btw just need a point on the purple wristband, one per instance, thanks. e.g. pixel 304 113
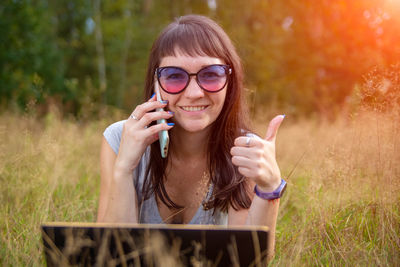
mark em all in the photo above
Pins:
pixel 277 193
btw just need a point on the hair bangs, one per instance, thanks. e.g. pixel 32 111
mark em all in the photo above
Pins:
pixel 191 40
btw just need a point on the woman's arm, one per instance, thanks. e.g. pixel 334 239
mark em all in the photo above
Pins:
pixel 255 159
pixel 118 199
pixel 265 212
pixel 107 160
pixel 261 212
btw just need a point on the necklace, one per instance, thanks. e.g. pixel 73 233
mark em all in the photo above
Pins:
pixel 203 190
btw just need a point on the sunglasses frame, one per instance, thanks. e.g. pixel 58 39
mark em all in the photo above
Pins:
pixel 227 68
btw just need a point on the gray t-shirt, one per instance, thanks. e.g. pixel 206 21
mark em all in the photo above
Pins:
pixel 148 209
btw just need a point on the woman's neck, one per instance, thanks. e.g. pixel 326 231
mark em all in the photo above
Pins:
pixel 189 145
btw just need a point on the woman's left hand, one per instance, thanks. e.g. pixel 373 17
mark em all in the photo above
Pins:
pixel 255 157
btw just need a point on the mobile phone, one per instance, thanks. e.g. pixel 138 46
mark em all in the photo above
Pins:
pixel 163 136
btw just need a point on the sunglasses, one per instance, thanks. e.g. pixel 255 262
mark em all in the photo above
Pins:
pixel 212 78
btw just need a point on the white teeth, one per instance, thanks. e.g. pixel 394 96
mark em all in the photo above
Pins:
pixel 191 108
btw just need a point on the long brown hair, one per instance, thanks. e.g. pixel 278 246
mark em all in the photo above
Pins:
pixel 197 35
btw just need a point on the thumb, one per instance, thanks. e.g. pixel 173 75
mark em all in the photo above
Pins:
pixel 273 128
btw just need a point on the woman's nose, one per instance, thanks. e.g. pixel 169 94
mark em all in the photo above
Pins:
pixel 193 90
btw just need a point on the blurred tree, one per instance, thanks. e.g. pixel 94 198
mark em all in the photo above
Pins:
pixel 30 63
pixel 301 57
pixel 73 22
pixel 309 56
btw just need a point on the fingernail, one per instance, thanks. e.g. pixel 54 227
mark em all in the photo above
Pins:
pixel 164 101
pixel 284 115
pixel 171 112
pixel 171 124
pixel 152 95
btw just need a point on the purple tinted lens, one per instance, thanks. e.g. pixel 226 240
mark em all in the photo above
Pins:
pixel 173 80
pixel 212 78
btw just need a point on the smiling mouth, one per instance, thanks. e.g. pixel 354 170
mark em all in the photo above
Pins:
pixel 193 108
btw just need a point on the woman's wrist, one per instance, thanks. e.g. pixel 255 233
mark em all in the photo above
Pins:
pixel 269 188
pixel 122 169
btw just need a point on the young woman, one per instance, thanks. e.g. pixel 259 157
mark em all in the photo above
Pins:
pixel 216 171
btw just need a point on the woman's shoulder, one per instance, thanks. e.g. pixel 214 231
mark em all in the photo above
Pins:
pixel 113 133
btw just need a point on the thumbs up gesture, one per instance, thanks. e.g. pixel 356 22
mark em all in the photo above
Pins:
pixel 255 157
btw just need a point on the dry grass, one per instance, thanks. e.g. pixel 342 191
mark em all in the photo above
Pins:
pixel 48 172
pixel 343 201
pixel 342 206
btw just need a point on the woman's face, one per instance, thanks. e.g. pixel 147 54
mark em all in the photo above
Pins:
pixel 195 109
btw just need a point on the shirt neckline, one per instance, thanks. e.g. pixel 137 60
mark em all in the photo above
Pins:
pixel 206 198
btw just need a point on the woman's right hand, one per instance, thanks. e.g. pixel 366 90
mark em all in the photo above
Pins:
pixel 137 135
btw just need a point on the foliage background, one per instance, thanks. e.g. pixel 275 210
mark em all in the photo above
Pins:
pixel 307 57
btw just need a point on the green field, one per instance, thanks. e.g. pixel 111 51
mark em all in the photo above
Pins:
pixel 342 205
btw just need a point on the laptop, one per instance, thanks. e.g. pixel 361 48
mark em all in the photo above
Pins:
pixel 101 244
